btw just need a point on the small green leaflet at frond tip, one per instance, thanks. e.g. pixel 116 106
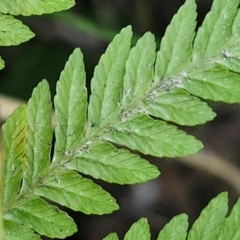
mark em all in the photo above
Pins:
pixel 13 31
pixel 34 7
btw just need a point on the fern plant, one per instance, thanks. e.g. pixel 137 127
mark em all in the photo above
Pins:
pixel 136 93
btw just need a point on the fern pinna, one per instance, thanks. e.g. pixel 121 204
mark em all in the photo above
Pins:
pixel 136 93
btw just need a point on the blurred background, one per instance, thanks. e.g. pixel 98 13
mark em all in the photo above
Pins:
pixel 185 185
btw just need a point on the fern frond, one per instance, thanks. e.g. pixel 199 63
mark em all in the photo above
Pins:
pixel 133 93
pixel 34 7
pixel 212 224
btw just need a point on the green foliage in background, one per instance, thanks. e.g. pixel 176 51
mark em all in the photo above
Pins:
pixel 136 93
pixel 212 224
pixel 13 31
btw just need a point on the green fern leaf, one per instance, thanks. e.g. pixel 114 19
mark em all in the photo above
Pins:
pixel 152 137
pixel 39 134
pixel 43 218
pixel 110 164
pixel 16 231
pixel 215 83
pixel 211 219
pixel 230 229
pixel 176 229
pixel 80 194
pixel 176 45
pixel 139 230
pixel 128 99
pixel 13 31
pixel 111 236
pixel 107 84
pixel 34 7
pixel 70 104
pixel 230 54
pixel 139 70
pixel 14 137
pixel 216 29
pixel 177 106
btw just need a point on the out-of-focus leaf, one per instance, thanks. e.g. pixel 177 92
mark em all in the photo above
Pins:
pixel 34 7
pixel 13 31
